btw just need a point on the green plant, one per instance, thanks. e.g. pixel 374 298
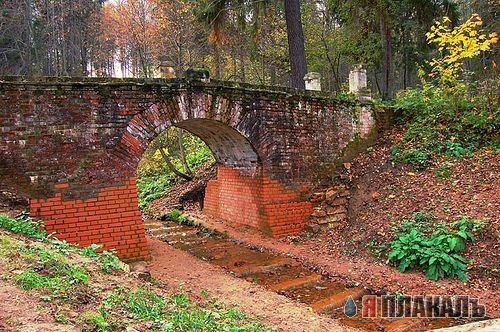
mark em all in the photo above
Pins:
pixel 144 304
pixel 419 220
pixel 443 171
pixel 22 224
pixel 418 157
pixel 449 125
pixel 173 215
pixel 49 270
pixel 106 260
pixel 96 321
pixel 446 117
pixel 176 313
pixel 376 249
pixel 177 216
pixel 434 253
pixel 454 149
pixel 151 187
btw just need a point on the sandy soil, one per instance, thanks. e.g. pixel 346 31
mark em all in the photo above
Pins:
pixel 195 275
pixel 23 313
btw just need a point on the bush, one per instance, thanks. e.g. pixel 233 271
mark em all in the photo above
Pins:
pixel 434 253
pixel 452 125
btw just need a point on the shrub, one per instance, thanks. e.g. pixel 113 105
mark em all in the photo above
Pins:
pixel 434 253
pixel 449 125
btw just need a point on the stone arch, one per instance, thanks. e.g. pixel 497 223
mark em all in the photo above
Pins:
pixel 219 122
pixel 77 143
pixel 229 147
pixel 236 193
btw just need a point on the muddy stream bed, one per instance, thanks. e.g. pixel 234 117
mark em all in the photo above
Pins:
pixel 284 276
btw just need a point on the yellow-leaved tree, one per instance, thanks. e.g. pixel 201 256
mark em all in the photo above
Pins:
pixel 455 45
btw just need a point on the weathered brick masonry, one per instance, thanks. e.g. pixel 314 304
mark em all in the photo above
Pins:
pixel 73 147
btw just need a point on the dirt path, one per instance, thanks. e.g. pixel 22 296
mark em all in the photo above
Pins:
pixel 354 271
pixel 21 312
pixel 195 275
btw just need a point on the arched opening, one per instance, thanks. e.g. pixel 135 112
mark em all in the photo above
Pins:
pixel 229 147
pixel 201 164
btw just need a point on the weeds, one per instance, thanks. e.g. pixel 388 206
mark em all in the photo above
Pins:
pixel 23 224
pixel 47 269
pixel 176 313
pixel 144 304
pixel 436 252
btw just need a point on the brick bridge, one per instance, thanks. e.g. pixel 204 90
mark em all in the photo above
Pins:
pixel 73 145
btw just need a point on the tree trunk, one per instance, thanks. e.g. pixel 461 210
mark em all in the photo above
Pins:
pixel 217 61
pixel 172 167
pixel 29 38
pixel 182 153
pixel 242 65
pixel 385 32
pixel 296 49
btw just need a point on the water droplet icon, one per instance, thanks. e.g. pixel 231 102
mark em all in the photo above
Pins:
pixel 350 308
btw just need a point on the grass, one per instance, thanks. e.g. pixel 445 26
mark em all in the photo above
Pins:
pixel 45 269
pixel 65 278
pixel 24 225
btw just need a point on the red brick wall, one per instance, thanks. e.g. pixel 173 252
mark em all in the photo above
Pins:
pixel 111 219
pixel 285 210
pixel 92 134
pixel 234 197
pixel 256 201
